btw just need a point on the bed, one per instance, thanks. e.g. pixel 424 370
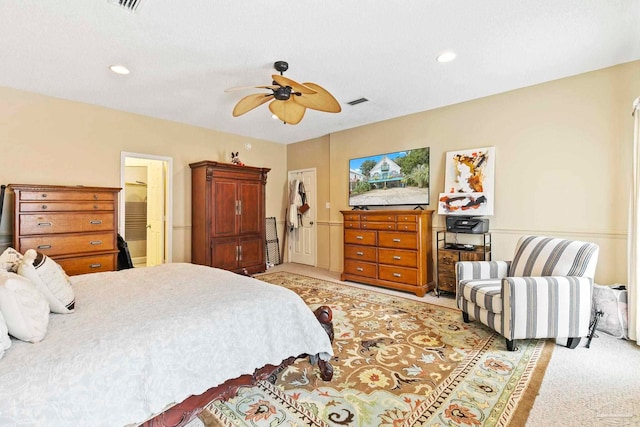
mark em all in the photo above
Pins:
pixel 142 340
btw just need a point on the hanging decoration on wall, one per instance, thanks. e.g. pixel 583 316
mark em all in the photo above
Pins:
pixel 469 183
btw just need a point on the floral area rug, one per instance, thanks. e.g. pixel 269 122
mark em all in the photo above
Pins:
pixel 398 362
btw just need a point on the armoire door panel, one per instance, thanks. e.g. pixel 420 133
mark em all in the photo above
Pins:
pixel 224 253
pixel 224 208
pixel 251 216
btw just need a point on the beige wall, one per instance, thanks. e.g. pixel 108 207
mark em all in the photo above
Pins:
pixel 562 151
pixel 562 167
pixel 45 140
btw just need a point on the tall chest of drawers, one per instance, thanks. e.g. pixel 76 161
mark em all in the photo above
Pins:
pixel 75 226
pixel 390 248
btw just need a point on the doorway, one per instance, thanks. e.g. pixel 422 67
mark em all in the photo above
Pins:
pixel 302 239
pixel 145 208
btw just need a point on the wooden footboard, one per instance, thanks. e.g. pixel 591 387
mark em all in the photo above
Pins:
pixel 181 413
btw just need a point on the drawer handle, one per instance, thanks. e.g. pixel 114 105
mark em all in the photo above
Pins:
pixel 44 195
pixel 389 226
pixel 359 268
pixel 43 207
pixel 44 246
pixel 359 253
pixel 95 197
pixel 44 224
pixel 95 221
pixel 396 257
pixel 95 242
pixel 359 237
pixel 97 265
pixel 397 275
pixel 396 240
pixel 95 206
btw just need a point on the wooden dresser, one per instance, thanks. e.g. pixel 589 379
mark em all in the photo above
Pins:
pixel 228 216
pixel 390 248
pixel 75 226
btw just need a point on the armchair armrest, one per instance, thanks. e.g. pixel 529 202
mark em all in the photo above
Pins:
pixel 479 270
pixel 546 307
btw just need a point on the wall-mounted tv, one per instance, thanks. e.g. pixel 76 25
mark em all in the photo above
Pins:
pixel 398 178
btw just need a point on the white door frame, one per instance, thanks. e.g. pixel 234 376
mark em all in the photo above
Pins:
pixel 168 231
pixel 313 203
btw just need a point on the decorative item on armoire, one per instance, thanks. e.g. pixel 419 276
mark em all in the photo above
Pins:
pixel 235 158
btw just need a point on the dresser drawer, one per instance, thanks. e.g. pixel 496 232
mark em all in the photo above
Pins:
pixel 407 226
pixel 67 195
pixel 446 281
pixel 378 225
pixel 378 217
pixel 399 257
pixel 360 237
pixel 60 245
pixel 351 217
pixel 88 264
pixel 65 207
pixel 352 224
pixel 404 275
pixel 407 218
pixel 448 258
pixel 362 253
pixel 31 224
pixel 399 240
pixel 359 268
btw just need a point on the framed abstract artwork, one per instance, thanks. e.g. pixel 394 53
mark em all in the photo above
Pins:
pixel 469 183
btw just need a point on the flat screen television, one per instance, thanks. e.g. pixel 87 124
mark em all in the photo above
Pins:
pixel 390 179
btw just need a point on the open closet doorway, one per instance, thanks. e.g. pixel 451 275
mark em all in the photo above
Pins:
pixel 303 235
pixel 145 200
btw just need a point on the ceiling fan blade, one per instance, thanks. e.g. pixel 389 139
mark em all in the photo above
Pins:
pixel 235 88
pixel 322 100
pixel 297 87
pixel 288 111
pixel 250 102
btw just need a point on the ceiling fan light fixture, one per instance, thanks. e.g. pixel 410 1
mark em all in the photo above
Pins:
pixel 288 99
pixel 447 56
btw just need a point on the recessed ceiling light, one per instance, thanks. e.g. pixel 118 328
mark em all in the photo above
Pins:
pixel 446 56
pixel 119 69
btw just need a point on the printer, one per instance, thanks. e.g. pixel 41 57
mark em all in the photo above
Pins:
pixel 467 224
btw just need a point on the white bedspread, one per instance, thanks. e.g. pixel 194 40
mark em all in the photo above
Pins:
pixel 145 338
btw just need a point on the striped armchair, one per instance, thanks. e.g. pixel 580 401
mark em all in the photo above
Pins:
pixel 544 292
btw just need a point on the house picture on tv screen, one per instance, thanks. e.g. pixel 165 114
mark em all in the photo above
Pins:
pixel 398 178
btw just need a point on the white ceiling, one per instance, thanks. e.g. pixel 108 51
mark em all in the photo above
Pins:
pixel 184 54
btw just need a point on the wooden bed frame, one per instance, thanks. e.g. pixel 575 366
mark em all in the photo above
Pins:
pixel 182 413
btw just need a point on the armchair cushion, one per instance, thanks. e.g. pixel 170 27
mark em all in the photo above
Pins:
pixel 548 256
pixel 483 293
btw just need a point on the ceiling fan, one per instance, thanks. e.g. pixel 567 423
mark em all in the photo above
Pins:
pixel 289 99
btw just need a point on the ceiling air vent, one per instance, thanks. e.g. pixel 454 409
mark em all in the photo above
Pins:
pixel 131 5
pixel 357 101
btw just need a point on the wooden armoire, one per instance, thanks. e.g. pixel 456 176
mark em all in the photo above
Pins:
pixel 228 216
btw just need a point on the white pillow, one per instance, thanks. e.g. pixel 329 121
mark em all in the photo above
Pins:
pixel 25 309
pixel 10 259
pixel 50 279
pixel 5 340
